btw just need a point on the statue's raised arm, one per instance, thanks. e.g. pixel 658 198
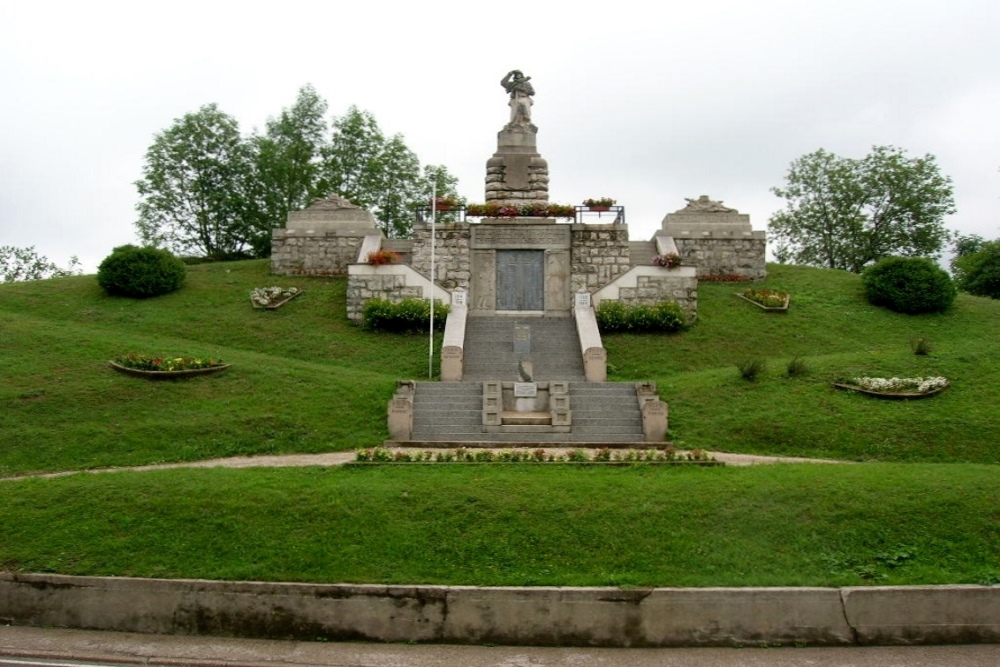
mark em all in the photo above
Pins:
pixel 521 92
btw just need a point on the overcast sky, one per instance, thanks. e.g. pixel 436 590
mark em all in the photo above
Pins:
pixel 647 102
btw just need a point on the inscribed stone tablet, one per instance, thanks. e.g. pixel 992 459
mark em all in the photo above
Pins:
pixel 525 390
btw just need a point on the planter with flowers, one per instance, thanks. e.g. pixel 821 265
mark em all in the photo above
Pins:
pixel 445 203
pixel 600 204
pixel 140 365
pixel 270 298
pixel 768 300
pixel 895 388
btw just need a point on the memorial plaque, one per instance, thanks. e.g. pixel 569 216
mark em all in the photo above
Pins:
pixel 583 299
pixel 458 298
pixel 522 338
pixel 525 390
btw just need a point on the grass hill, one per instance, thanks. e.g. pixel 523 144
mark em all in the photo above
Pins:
pixel 305 380
pixel 922 509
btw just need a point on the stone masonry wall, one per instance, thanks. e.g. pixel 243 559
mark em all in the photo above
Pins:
pixel 362 288
pixel 666 287
pixel 451 253
pixel 598 255
pixel 295 253
pixel 714 256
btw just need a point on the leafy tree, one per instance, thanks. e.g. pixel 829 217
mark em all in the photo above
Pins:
pixel 193 189
pixel 976 266
pixel 206 190
pixel 21 264
pixel 844 213
pixel 287 165
pixel 379 173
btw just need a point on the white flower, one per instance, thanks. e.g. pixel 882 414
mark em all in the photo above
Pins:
pixel 917 385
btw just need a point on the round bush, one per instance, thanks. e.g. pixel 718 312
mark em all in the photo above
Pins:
pixel 140 272
pixel 909 285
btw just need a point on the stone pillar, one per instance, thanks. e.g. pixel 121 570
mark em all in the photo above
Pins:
pixel 517 173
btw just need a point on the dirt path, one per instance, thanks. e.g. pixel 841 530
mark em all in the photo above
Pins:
pixel 340 458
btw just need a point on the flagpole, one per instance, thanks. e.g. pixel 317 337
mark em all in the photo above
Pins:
pixel 430 352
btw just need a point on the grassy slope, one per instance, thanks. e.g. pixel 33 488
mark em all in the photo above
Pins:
pixel 303 380
pixel 838 333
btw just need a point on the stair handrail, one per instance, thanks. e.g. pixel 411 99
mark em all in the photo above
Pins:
pixel 453 345
pixel 595 357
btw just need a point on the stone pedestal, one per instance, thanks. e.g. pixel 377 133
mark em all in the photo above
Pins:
pixel 517 173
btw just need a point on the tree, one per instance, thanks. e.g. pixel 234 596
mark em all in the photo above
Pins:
pixel 288 165
pixel 206 190
pixel 844 213
pixel 976 266
pixel 21 264
pixel 378 173
pixel 193 190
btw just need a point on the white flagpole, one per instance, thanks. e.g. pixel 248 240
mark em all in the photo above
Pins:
pixel 430 352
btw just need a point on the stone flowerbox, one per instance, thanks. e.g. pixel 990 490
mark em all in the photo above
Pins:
pixel 163 375
pixel 770 301
pixel 270 298
pixel 895 394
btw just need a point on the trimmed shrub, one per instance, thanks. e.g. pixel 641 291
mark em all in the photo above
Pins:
pixel 406 316
pixel 140 273
pixel 910 285
pixel 661 317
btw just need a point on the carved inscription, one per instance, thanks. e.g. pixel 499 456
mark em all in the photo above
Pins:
pixel 514 236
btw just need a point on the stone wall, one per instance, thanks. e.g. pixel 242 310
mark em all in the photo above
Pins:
pixel 361 288
pixel 312 253
pixel 598 255
pixel 451 253
pixel 742 254
pixel 664 287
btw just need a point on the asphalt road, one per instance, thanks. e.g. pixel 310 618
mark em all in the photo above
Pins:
pixel 35 647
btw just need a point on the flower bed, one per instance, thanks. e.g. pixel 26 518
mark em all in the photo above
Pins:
pixel 626 456
pixel 498 210
pixel 895 388
pixel 272 297
pixel 159 367
pixel 766 299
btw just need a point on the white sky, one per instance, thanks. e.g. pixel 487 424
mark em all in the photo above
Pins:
pixel 646 102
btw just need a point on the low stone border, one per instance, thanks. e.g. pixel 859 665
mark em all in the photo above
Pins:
pixel 542 616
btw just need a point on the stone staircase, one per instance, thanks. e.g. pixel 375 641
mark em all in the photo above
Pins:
pixel 450 414
pixel 641 253
pixel 490 350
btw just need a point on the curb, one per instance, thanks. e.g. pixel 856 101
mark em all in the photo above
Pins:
pixel 542 616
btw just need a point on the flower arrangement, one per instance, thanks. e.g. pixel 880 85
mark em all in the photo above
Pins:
pixel 669 261
pixel 141 362
pixel 447 201
pixel 768 298
pixel 600 202
pixel 666 455
pixel 510 210
pixel 380 257
pixel 264 297
pixel 917 385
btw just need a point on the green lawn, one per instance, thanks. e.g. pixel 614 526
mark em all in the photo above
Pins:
pixel 807 525
pixel 921 509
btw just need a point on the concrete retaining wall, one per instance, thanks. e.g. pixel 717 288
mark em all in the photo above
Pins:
pixel 518 616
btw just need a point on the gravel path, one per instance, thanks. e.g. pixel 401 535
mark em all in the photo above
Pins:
pixel 340 458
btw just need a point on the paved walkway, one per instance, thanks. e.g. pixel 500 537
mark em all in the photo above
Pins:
pixel 21 644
